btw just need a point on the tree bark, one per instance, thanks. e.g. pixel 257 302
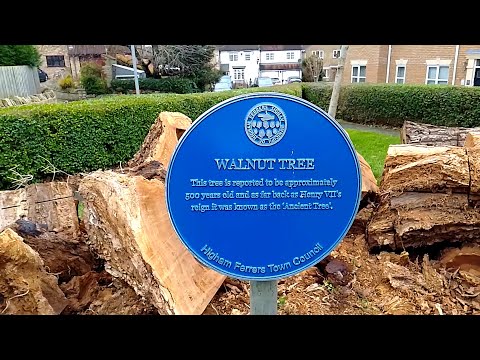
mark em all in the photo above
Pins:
pixel 427 134
pixel 425 169
pixel 424 198
pixel 415 219
pixel 332 108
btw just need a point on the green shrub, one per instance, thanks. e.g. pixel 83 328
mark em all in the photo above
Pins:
pixel 82 136
pixel 92 79
pixel 175 85
pixel 392 104
pixel 318 94
pixel 66 82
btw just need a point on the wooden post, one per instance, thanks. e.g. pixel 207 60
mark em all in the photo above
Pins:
pixel 263 297
pixel 135 72
pixel 332 108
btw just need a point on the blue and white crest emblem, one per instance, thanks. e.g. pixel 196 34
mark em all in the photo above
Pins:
pixel 265 124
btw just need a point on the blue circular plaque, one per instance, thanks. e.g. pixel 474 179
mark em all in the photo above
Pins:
pixel 263 186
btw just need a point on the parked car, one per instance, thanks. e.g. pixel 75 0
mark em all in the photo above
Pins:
pixel 276 81
pixel 222 86
pixel 226 79
pixel 42 75
pixel 292 79
pixel 263 81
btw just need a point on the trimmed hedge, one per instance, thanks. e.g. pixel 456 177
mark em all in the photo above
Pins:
pixel 87 135
pixel 392 104
pixel 165 85
pixel 82 136
pixel 318 94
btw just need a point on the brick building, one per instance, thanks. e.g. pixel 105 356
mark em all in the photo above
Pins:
pixel 409 64
pixel 55 59
pixel 329 54
pixel 58 60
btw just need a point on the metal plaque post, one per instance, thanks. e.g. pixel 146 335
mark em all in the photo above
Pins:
pixel 254 162
pixel 263 297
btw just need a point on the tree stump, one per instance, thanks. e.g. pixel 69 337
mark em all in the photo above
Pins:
pixel 129 226
pixel 424 198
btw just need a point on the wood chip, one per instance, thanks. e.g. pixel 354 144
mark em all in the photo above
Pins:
pixel 233 288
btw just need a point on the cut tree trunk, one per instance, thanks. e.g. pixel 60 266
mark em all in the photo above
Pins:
pixel 49 204
pixel 425 193
pixel 162 139
pixel 425 169
pixel 427 134
pixel 380 229
pixel 25 287
pixel 45 215
pixel 369 183
pixel 129 226
pixel 425 219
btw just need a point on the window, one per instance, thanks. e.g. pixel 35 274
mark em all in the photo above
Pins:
pixel 238 74
pixel 400 75
pixel 358 73
pixel 269 56
pixel 290 55
pixel 318 53
pixel 336 54
pixel 233 56
pixel 325 73
pixel 437 74
pixel 247 56
pixel 55 61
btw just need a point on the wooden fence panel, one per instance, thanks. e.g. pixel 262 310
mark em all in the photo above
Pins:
pixel 18 81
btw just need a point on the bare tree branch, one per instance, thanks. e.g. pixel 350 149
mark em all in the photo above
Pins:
pixel 181 59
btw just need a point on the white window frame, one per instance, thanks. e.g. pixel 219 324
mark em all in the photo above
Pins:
pixel 239 74
pixel 233 56
pixel 404 74
pixel 445 82
pixel 476 65
pixel 337 51
pixel 319 53
pixel 248 56
pixel 269 56
pixel 358 77
pixel 326 72
pixel 290 55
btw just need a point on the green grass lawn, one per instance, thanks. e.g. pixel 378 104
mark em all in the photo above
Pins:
pixel 373 147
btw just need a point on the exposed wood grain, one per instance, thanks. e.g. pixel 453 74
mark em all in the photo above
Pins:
pixel 129 226
pixel 51 204
pixel 425 169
